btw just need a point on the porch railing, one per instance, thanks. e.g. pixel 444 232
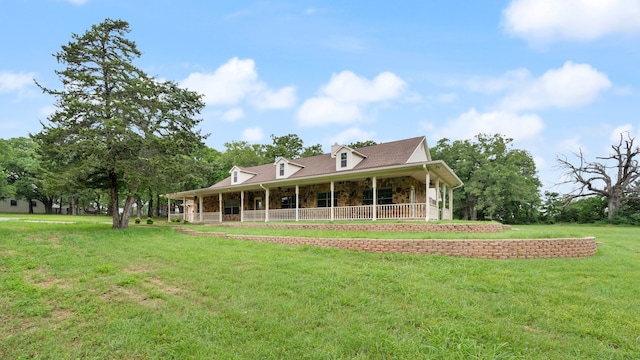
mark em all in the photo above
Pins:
pixel 360 212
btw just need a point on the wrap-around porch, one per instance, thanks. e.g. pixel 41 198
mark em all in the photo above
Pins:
pixel 397 197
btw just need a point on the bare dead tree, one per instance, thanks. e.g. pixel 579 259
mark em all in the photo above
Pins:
pixel 613 177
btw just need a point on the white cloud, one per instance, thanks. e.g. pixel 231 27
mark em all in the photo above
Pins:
pixel 347 95
pixel 570 86
pixel 621 130
pixel 466 126
pixel 235 81
pixel 324 111
pixel 10 82
pixel 352 135
pixel 351 88
pixel 543 21
pixel 232 115
pixel 275 99
pixel 570 145
pixel 252 134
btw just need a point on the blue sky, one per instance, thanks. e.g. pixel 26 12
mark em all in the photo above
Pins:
pixel 556 76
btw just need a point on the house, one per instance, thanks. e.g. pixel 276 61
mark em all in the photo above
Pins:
pixel 21 206
pixel 394 180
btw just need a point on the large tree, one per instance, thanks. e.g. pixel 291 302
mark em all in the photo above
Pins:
pixel 115 127
pixel 500 183
pixel 613 177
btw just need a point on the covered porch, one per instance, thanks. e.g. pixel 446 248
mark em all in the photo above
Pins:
pixel 424 193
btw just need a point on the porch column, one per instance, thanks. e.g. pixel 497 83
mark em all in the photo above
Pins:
pixel 450 203
pixel 184 208
pixel 438 198
pixel 427 202
pixel 266 203
pixel 168 209
pixel 297 201
pixel 220 209
pixel 200 207
pixel 332 212
pixel 242 206
pixel 374 194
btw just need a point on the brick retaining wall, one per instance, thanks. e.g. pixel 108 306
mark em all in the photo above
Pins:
pixel 485 249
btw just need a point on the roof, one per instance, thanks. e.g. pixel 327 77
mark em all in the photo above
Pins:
pixel 398 154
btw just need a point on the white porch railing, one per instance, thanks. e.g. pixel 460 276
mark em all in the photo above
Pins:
pixel 360 212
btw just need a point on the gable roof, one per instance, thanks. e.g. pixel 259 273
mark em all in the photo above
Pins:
pixel 375 156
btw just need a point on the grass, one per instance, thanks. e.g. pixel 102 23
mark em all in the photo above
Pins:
pixel 83 290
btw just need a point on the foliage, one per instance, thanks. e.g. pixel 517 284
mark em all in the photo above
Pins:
pixel 149 221
pixel 613 177
pixel 116 128
pixel 82 291
pixel 359 144
pixel 6 190
pixel 500 183
pixel 585 210
pixel 137 220
pixel 27 173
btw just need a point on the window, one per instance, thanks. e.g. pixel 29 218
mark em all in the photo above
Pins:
pixel 324 199
pixel 281 169
pixel 385 196
pixel 14 202
pixel 288 202
pixel 343 160
pixel 231 207
pixel 235 177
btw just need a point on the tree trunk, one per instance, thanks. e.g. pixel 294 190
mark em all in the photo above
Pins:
pixel 115 201
pixel 74 205
pixel 30 206
pixel 138 207
pixel 150 208
pixel 613 202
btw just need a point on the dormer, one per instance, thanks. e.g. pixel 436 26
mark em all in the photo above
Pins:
pixel 286 168
pixel 240 175
pixel 346 157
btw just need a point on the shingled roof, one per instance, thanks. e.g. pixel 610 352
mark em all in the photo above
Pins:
pixel 376 156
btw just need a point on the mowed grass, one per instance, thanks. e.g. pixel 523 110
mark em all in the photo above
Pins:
pixel 83 290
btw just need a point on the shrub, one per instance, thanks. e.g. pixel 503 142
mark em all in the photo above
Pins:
pixel 137 220
pixel 149 221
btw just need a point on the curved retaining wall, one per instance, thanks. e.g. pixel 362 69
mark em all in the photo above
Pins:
pixel 485 249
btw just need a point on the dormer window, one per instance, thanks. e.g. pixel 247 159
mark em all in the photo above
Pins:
pixel 281 169
pixel 343 160
pixel 235 177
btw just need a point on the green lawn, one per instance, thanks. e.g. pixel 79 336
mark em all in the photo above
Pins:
pixel 83 290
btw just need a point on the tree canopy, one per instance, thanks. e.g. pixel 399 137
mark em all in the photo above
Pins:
pixel 500 183
pixel 115 127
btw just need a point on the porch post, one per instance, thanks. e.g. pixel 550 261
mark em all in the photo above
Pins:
pixel 220 209
pixel 168 209
pixel 242 206
pixel 427 202
pixel 297 201
pixel 266 203
pixel 200 207
pixel 450 203
pixel 374 194
pixel 438 198
pixel 184 208
pixel 332 210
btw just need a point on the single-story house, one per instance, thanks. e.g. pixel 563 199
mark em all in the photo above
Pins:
pixel 394 180
pixel 21 206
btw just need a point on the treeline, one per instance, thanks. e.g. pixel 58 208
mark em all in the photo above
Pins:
pixel 500 182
